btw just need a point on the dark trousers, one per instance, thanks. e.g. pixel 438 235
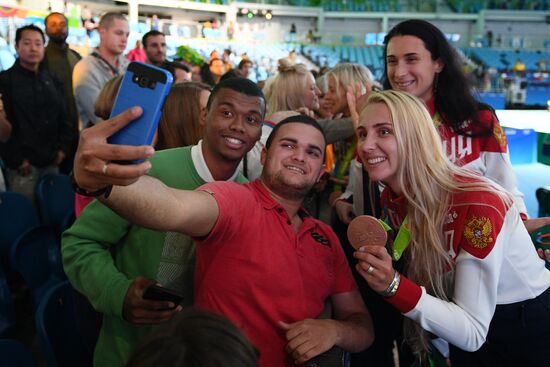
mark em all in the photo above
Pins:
pixel 88 322
pixel 519 335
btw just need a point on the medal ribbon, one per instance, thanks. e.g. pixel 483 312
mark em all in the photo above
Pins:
pixel 401 240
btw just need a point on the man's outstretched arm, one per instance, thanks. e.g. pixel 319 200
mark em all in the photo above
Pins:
pixel 150 203
pixel 141 200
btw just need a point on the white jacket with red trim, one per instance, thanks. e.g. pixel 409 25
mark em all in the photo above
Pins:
pixel 495 263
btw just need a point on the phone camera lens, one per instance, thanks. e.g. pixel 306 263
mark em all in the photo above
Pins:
pixel 144 82
pixel 152 84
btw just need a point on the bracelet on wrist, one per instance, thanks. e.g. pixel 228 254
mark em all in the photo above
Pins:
pixel 392 288
pixel 106 191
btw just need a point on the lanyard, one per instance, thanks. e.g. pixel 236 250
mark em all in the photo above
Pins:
pixel 401 240
pixel 437 120
pixel 114 70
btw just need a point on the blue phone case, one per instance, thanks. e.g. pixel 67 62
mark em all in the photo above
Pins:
pixel 146 86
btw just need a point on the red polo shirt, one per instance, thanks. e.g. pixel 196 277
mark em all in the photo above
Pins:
pixel 254 269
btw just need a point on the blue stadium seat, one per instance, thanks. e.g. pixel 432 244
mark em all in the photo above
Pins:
pixel 543 197
pixel 17 211
pixel 36 256
pixel 14 353
pixel 55 197
pixel 57 329
pixel 7 310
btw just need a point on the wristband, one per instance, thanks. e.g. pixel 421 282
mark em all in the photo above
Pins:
pixel 106 191
pixel 392 288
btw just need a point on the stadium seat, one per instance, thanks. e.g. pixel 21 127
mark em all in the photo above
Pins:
pixel 17 215
pixel 7 310
pixel 55 197
pixel 57 329
pixel 541 239
pixel 14 353
pixel 36 256
pixel 543 197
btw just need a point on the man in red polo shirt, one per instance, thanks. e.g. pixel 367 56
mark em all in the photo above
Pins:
pixel 262 261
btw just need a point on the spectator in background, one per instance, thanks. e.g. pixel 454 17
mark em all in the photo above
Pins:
pixel 292 57
pixel 106 61
pixel 213 73
pixel 217 68
pixel 154 45
pixel 205 67
pixel 292 32
pixel 489 36
pixel 325 106
pixel 214 55
pixel 88 21
pixel 310 38
pixel 155 23
pixel 183 116
pixel 180 72
pixel 196 339
pixel 498 41
pixel 5 126
pixel 519 67
pixel 5 133
pixel 293 87
pixel 542 65
pixel 341 77
pixel 230 30
pixel 61 60
pixel 137 53
pixel 226 58
pixel 35 108
pixel 243 70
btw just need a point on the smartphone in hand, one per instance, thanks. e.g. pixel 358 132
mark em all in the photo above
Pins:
pixel 146 86
pixel 156 292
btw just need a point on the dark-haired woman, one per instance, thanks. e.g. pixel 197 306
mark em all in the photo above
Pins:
pixel 419 60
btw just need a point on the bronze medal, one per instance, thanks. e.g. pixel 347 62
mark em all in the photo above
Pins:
pixel 366 230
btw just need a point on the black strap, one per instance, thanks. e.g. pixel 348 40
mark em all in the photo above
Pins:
pixel 245 165
pixel 371 196
pixel 98 56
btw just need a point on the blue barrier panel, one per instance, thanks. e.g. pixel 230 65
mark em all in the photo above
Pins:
pixel 495 100
pixel 522 144
pixel 537 95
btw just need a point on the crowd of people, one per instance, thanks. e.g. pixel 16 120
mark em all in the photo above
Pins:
pixel 226 207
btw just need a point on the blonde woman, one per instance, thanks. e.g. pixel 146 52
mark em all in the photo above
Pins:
pixel 339 79
pixel 472 276
pixel 325 108
pixel 292 88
